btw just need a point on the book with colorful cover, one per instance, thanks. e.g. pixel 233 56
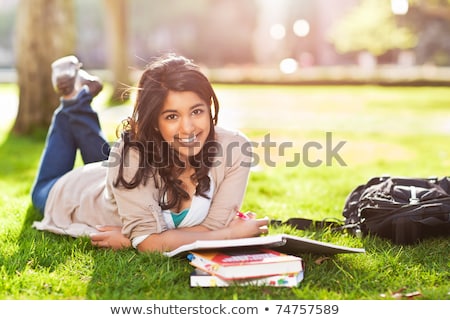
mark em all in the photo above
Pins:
pixel 200 278
pixel 238 263
pixel 285 243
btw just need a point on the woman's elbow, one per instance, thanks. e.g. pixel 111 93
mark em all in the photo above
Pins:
pixel 153 243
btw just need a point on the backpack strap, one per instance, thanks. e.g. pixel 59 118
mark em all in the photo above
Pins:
pixel 304 224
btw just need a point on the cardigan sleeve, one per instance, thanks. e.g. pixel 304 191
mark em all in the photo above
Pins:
pixel 230 172
pixel 138 208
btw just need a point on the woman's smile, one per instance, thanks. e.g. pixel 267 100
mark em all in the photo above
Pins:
pixel 189 140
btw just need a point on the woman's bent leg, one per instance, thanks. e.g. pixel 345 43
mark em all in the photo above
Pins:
pixel 57 158
pixel 74 125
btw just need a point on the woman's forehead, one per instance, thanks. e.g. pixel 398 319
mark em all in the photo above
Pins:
pixel 177 100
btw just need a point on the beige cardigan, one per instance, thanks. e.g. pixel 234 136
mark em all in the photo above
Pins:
pixel 85 197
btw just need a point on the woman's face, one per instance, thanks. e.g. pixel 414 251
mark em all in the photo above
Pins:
pixel 184 122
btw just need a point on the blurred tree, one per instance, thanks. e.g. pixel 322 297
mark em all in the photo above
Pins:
pixel 45 31
pixel 430 20
pixel 434 8
pixel 371 26
pixel 117 32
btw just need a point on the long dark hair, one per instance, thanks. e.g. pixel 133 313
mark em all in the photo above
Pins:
pixel 157 159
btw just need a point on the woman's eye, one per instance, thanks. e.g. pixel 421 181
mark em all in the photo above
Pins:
pixel 197 111
pixel 171 116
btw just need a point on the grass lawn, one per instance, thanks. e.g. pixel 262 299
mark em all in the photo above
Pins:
pixel 373 130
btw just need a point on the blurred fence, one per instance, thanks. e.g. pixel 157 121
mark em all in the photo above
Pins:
pixel 383 75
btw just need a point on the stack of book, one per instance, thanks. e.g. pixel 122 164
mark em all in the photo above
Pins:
pixel 245 266
pixel 272 260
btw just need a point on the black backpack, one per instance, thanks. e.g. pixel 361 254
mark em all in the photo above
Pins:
pixel 403 210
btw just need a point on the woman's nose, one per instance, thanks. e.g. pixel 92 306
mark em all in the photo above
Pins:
pixel 187 126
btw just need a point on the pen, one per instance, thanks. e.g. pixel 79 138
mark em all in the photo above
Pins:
pixel 242 215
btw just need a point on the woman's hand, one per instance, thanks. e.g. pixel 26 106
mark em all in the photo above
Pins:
pixel 248 226
pixel 110 237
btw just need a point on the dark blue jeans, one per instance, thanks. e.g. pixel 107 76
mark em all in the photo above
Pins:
pixel 74 126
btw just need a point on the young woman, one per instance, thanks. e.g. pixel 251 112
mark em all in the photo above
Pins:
pixel 172 178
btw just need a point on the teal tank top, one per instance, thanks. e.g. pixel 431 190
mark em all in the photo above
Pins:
pixel 178 217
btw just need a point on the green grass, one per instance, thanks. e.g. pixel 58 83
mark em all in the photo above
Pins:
pixel 387 130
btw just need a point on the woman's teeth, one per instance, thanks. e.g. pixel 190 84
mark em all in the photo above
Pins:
pixel 188 140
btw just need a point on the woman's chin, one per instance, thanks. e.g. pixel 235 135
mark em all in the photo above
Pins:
pixel 185 152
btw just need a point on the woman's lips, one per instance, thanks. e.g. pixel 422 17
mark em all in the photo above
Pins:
pixel 191 141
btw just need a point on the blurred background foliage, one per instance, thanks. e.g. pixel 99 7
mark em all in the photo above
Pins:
pixel 250 41
pixel 221 32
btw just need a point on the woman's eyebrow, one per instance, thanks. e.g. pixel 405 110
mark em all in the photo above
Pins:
pixel 200 104
pixel 169 111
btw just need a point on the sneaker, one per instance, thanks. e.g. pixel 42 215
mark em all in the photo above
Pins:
pixel 64 75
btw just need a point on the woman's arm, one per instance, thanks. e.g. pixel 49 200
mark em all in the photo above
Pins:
pixel 112 237
pixel 172 239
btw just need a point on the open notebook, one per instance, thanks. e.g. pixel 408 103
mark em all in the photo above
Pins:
pixel 281 242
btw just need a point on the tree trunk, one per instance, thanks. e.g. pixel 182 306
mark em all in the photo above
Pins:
pixel 117 32
pixel 45 32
